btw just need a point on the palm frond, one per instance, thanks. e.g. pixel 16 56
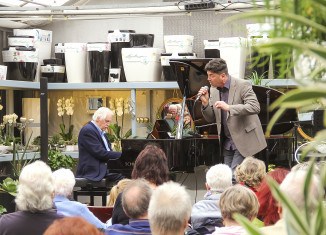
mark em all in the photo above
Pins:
pixel 247 224
pixel 294 215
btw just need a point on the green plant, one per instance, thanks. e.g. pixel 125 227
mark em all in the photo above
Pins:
pixel 257 79
pixel 73 141
pixel 37 141
pixel 9 185
pixel 2 209
pixel 298 30
pixel 57 159
pixel 19 160
pixel 56 140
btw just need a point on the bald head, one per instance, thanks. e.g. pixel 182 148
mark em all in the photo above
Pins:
pixel 135 199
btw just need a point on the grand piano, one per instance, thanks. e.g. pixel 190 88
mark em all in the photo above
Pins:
pixel 203 147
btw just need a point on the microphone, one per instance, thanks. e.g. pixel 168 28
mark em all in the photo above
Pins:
pixel 199 95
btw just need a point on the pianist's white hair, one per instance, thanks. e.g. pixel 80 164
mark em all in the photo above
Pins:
pixel 101 113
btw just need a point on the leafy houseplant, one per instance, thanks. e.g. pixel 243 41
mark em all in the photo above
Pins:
pixel 256 79
pixel 8 190
pixel 66 106
pixel 9 185
pixel 57 160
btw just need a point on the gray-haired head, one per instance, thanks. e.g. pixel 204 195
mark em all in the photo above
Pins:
pixel 169 209
pixel 64 182
pixel 219 177
pixel 35 188
pixel 293 186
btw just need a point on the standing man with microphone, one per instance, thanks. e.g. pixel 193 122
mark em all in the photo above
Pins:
pixel 233 105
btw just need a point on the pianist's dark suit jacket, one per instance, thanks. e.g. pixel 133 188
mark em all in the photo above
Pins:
pixel 93 156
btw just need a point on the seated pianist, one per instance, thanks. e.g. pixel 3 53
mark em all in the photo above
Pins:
pixel 95 149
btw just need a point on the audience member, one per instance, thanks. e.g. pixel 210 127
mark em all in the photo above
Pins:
pixel 268 212
pixel 293 187
pixel 250 173
pixel 34 202
pixel 64 181
pixel 305 166
pixel 206 214
pixel 72 226
pixel 236 199
pixel 151 164
pixel 169 209
pixel 135 201
pixel 116 190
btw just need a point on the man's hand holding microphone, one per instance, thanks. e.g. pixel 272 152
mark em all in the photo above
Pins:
pixel 203 95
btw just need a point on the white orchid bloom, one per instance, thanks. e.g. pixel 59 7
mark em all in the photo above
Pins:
pixel 119 111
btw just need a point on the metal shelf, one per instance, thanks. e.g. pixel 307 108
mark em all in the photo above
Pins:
pixel 19 85
pixel 280 83
pixel 24 85
pixel 113 86
pixel 28 156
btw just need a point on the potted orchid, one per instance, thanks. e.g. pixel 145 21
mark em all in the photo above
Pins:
pixel 66 106
pixel 120 107
pixel 9 122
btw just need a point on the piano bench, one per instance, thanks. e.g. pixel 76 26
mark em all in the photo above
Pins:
pixel 85 187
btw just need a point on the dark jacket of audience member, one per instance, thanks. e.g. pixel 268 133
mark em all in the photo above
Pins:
pixel 206 213
pixel 151 164
pixel 34 202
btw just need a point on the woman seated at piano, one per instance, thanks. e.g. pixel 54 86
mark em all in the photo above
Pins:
pixel 187 125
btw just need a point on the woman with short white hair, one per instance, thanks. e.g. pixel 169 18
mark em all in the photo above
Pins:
pixel 64 181
pixel 34 202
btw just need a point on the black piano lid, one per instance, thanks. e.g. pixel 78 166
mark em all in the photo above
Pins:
pixel 191 76
pixel 287 120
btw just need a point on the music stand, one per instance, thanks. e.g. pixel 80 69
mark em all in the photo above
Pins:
pixel 161 130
